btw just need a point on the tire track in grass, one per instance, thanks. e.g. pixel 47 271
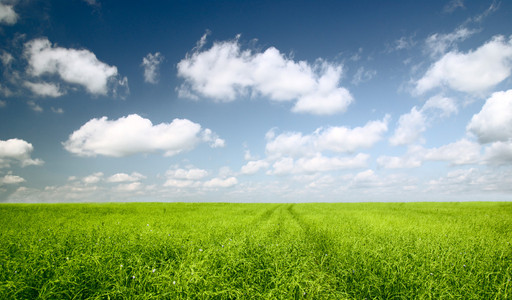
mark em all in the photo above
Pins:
pixel 267 214
pixel 321 252
pixel 320 240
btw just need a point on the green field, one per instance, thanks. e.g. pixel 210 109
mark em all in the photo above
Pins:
pixel 256 251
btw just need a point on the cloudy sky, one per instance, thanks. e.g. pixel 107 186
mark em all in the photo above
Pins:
pixel 255 101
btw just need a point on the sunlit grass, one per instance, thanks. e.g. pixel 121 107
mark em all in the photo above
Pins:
pixel 254 251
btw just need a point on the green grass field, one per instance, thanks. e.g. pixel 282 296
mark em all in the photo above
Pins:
pixel 256 251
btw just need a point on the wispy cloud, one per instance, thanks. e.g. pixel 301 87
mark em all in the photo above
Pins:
pixel 453 5
pixel 34 106
pixel 151 64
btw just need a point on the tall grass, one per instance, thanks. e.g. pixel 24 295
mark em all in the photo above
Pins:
pixel 256 251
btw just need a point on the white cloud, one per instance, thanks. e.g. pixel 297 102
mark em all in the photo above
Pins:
pixel 151 64
pixel 194 178
pixel 317 163
pixel 3 103
pixel 17 150
pixel 129 187
pixel 453 5
pixel 404 43
pixel 363 75
pixel 320 163
pixel 461 152
pixel 123 177
pixel 494 122
pixel 335 138
pixel 180 183
pixel 71 65
pixel 410 160
pixel 343 139
pixel 474 181
pixel 221 183
pixel 11 179
pixel 212 138
pixel 249 156
pixel 79 191
pixel 409 129
pixel 411 125
pixel 93 178
pixel 6 58
pixel 57 110
pixel 472 72
pixel 134 134
pixel 34 106
pixel 188 174
pixel 7 14
pixel 225 72
pixel 499 153
pixel 365 178
pixel 437 44
pixel 44 89
pixel 92 2
pixel 252 167
pixel 446 105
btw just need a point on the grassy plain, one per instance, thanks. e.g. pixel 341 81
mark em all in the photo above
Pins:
pixel 256 251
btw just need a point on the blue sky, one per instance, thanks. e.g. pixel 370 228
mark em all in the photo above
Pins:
pixel 261 101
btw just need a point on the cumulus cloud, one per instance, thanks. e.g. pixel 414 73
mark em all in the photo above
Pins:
pixel 253 166
pixel 11 179
pixel 474 181
pixel 181 183
pixel 461 152
pixel 443 105
pixel 151 64
pixel 473 72
pixel 123 177
pixel 7 14
pixel 93 178
pixel 73 66
pixel 129 187
pixel 336 139
pixel 133 134
pixel 188 174
pixel 499 153
pixel 411 125
pixel 191 177
pixel 44 89
pixel 17 150
pixel 317 163
pixel 225 72
pixel 494 122
pixel 409 129
pixel 221 182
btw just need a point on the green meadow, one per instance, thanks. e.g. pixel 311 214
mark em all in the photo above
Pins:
pixel 256 251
